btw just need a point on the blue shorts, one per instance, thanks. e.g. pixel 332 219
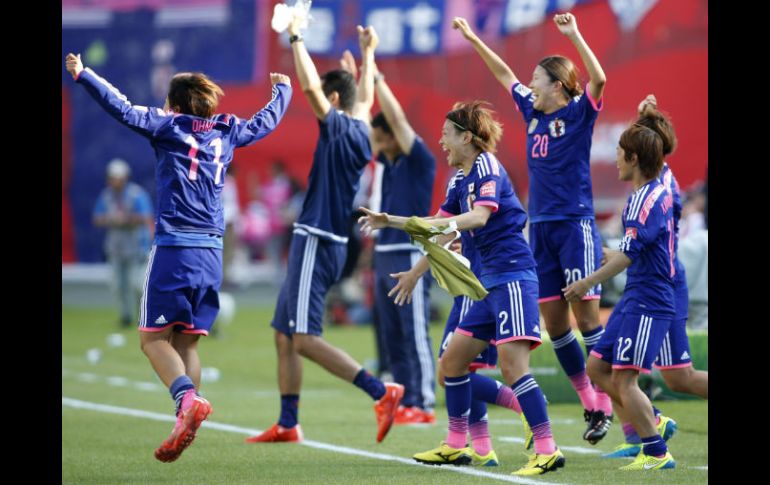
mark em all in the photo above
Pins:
pixel 631 340
pixel 565 251
pixel 509 312
pixel 315 264
pixel 181 288
pixel 675 351
pixel 487 359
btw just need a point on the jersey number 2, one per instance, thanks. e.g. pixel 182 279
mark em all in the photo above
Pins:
pixel 217 144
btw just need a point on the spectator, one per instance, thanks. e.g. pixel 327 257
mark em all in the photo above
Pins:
pixel 125 210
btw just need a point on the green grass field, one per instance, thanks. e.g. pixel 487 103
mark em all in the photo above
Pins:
pixel 110 425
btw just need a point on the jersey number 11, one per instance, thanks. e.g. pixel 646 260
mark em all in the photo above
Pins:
pixel 217 144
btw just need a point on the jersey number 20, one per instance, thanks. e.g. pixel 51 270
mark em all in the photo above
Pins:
pixel 540 146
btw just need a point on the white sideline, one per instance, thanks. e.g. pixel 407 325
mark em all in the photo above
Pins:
pixel 138 413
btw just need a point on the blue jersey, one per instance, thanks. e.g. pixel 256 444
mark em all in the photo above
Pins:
pixel 407 186
pixel 500 243
pixel 669 181
pixel 193 155
pixel 648 221
pixel 558 156
pixel 452 201
pixel 340 156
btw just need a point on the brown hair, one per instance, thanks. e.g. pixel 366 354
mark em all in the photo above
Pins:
pixel 660 124
pixel 559 68
pixel 475 117
pixel 193 93
pixel 648 147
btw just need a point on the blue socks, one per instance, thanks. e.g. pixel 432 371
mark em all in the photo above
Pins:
pixel 592 338
pixel 179 387
pixel 484 388
pixel 369 384
pixel 531 400
pixel 289 410
pixel 654 446
pixel 569 353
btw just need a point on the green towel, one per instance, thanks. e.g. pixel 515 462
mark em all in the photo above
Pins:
pixel 451 270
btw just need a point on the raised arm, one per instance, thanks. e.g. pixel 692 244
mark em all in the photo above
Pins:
pixel 367 40
pixel 141 119
pixel 307 74
pixel 567 25
pixel 496 65
pixel 348 63
pixel 266 120
pixel 394 114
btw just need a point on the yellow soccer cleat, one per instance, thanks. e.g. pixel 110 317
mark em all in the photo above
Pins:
pixel 666 427
pixel 446 455
pixel 645 462
pixel 490 459
pixel 539 464
pixel 529 438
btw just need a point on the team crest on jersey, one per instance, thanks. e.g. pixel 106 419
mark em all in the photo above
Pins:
pixel 631 232
pixel 532 126
pixel 557 128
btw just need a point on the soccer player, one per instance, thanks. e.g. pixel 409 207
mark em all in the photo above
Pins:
pixel 484 390
pixel 674 360
pixel 560 118
pixel 318 247
pixel 640 321
pixel 407 185
pixel 184 273
pixel 487 206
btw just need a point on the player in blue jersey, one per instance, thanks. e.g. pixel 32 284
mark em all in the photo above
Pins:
pixel 318 247
pixel 488 208
pixel 408 170
pixel 194 148
pixel 483 389
pixel 566 243
pixel 640 321
pixel 674 360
